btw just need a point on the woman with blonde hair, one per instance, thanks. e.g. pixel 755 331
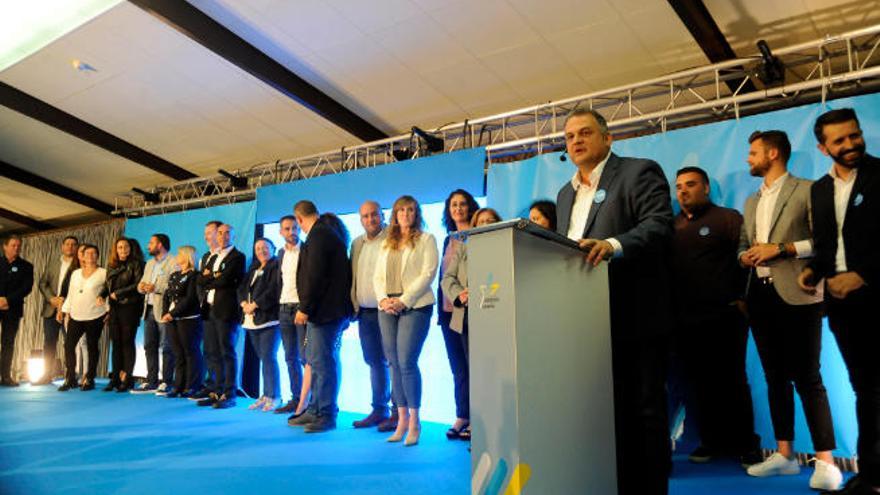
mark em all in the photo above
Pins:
pixel 406 265
pixel 181 312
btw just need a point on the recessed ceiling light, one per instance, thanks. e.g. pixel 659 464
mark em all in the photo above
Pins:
pixel 82 66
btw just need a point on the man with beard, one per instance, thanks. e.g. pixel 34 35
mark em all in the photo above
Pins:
pixel 153 284
pixel 293 336
pixel 711 330
pixel 786 322
pixel 846 229
pixel 50 284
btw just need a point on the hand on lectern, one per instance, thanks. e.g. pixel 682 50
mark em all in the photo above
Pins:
pixel 599 250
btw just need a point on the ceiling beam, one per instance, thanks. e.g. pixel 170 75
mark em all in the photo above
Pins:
pixel 704 29
pixel 209 33
pixel 37 109
pixel 24 220
pixel 30 179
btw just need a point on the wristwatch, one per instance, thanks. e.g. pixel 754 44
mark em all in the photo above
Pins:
pixel 782 252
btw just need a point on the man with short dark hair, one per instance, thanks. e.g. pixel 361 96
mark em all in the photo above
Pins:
pixel 711 330
pixel 207 259
pixel 153 283
pixel 292 335
pixel 50 285
pixel 846 232
pixel 775 242
pixel 16 282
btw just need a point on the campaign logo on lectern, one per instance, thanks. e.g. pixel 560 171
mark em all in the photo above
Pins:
pixel 488 292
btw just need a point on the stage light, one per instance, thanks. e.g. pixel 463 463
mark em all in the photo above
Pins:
pixel 36 367
pixel 433 143
pixel 237 182
pixel 148 196
pixel 771 71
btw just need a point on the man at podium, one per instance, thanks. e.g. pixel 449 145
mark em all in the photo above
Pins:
pixel 619 210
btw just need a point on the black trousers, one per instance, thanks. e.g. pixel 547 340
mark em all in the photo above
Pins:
pixel 220 339
pixel 51 330
pixel 186 342
pixel 711 343
pixel 854 323
pixel 640 415
pixel 8 330
pixel 124 321
pixel 789 341
pixel 75 330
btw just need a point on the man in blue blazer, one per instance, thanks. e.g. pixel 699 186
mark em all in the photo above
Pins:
pixel 619 210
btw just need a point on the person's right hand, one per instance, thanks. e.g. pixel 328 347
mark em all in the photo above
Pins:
pixel 463 297
pixel 805 281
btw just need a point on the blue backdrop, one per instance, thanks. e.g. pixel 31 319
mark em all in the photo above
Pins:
pixel 721 149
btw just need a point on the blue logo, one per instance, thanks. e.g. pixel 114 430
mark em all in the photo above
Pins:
pixel 859 199
pixel 599 197
pixel 704 231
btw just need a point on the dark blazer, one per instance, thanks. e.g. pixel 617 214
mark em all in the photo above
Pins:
pixel 637 211
pixel 323 276
pixel 48 284
pixel 123 280
pixel 16 282
pixel 224 281
pixel 861 226
pixel 182 291
pixel 200 291
pixel 265 291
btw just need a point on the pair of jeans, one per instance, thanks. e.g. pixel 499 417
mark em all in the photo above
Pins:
pixel 456 351
pixel 75 330
pixel 324 340
pixel 156 337
pixel 9 324
pixel 221 337
pixel 293 337
pixel 51 330
pixel 265 342
pixel 124 319
pixel 403 336
pixel 789 342
pixel 374 356
pixel 186 341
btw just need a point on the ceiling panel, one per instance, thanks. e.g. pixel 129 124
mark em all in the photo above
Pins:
pixel 31 202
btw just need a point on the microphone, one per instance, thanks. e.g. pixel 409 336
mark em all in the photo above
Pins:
pixel 562 157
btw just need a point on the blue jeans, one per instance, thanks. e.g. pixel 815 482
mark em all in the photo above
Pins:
pixel 265 342
pixel 293 338
pixel 156 337
pixel 323 355
pixel 374 356
pixel 403 336
pixel 456 351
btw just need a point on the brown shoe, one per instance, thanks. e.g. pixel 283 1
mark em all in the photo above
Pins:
pixel 374 419
pixel 389 424
pixel 287 408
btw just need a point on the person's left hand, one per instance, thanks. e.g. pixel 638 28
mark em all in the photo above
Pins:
pixel 760 254
pixel 842 284
pixel 463 297
pixel 600 250
pixel 4 303
pixel 99 301
pixel 397 305
pixel 300 318
pixel 113 296
pixel 167 318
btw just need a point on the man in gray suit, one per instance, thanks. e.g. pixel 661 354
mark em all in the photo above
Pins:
pixel 786 322
pixel 51 284
pixel 153 284
pixel 620 209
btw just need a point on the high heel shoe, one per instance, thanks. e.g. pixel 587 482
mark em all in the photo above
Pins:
pixel 397 436
pixel 258 404
pixel 412 437
pixel 269 405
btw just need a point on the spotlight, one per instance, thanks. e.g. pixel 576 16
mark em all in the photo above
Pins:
pixel 433 143
pixel 149 197
pixel 771 71
pixel 236 181
pixel 36 367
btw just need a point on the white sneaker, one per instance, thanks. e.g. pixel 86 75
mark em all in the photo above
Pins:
pixel 775 465
pixel 826 476
pixel 163 389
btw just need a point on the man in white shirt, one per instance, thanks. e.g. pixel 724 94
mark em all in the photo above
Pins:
pixel 292 335
pixel 775 241
pixel 364 251
pixel 153 283
pixel 51 284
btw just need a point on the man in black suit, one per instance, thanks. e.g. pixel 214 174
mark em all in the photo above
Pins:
pixel 207 260
pixel 16 282
pixel 846 232
pixel 323 280
pixel 619 209
pixel 220 281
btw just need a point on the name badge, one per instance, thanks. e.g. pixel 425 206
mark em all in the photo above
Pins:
pixel 858 199
pixel 704 231
pixel 599 197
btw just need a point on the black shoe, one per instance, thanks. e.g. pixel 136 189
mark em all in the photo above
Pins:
pixel 375 417
pixel 302 419
pixel 89 385
pixel 455 433
pixel 287 408
pixel 186 394
pixel 751 458
pixel 110 387
pixel 224 402
pixel 702 455
pixel 124 387
pixel 321 424
pixel 199 395
pixel 389 424
pixel 66 386
pixel 208 401
pixel 174 394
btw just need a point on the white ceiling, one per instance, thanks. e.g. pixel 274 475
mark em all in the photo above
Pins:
pixel 396 63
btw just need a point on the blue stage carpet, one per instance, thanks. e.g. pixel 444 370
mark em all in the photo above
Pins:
pixel 99 443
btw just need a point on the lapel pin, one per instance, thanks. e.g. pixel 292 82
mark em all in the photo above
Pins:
pixel 599 197
pixel 858 199
pixel 704 231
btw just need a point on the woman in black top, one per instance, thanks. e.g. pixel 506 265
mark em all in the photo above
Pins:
pixel 124 271
pixel 181 312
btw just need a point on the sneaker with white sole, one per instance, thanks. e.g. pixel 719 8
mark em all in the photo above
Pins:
pixel 144 388
pixel 162 389
pixel 775 465
pixel 826 476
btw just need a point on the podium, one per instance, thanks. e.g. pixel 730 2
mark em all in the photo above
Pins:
pixel 542 402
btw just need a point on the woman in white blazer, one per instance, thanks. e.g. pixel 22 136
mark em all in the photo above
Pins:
pixel 405 268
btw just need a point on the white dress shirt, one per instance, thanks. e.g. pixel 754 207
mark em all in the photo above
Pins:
pixel 764 220
pixel 289 295
pixel 842 191
pixel 82 295
pixel 220 256
pixel 584 196
pixel 365 292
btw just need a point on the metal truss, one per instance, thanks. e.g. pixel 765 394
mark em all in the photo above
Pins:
pixel 814 71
